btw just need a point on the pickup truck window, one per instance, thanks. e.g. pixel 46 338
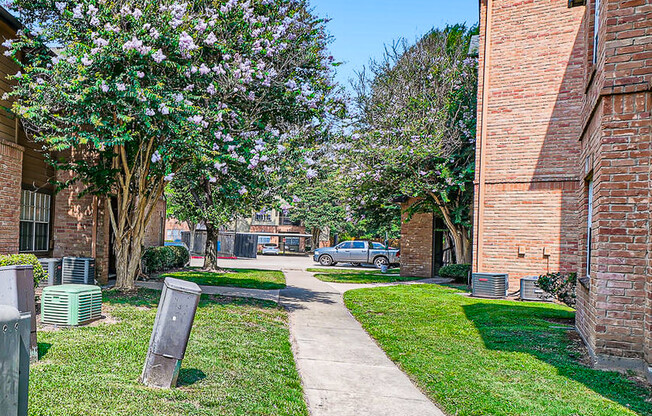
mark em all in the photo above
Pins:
pixel 346 244
pixel 358 244
pixel 378 246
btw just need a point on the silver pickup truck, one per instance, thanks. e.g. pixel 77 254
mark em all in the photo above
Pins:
pixel 356 253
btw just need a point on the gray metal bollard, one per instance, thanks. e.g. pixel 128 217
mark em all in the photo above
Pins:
pixel 17 290
pixel 167 346
pixel 14 361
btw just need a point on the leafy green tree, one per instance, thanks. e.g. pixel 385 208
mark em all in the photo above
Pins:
pixel 135 91
pixel 416 130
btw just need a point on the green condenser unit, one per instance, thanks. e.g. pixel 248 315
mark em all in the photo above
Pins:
pixel 71 305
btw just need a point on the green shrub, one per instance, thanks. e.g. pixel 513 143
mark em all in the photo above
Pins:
pixel 156 259
pixel 25 259
pixel 459 272
pixel 182 256
pixel 560 285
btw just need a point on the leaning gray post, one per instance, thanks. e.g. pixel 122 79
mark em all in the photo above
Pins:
pixel 14 361
pixel 17 290
pixel 167 346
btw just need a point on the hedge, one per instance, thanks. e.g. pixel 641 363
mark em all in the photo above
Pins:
pixel 156 259
pixel 25 259
pixel 459 272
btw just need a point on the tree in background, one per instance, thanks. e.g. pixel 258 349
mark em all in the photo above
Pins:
pixel 138 90
pixel 416 116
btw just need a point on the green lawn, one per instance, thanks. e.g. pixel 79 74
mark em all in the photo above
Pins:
pixel 486 357
pixel 246 278
pixel 359 276
pixel 238 362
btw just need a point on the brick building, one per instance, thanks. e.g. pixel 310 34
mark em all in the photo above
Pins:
pixel 563 160
pixel 33 219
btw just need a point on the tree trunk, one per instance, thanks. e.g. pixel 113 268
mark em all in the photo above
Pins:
pixel 316 234
pixel 210 257
pixel 193 230
pixel 128 254
pixel 462 245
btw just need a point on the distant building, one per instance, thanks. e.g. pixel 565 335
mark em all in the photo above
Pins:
pixel 564 160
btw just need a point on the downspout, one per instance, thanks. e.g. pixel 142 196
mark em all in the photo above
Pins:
pixel 486 63
pixel 94 229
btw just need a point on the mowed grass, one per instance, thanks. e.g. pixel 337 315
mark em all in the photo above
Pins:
pixel 487 357
pixel 245 278
pixel 359 276
pixel 238 362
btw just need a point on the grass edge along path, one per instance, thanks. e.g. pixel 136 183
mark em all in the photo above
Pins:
pixel 242 278
pixel 239 362
pixel 359 276
pixel 486 357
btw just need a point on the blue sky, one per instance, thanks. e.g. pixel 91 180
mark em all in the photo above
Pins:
pixel 362 27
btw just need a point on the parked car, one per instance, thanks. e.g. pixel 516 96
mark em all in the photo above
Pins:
pixel 270 249
pixel 356 253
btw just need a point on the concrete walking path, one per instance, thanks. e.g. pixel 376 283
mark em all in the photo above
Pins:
pixel 343 371
pixel 238 292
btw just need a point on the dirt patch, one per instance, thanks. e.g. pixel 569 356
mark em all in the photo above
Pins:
pixel 561 321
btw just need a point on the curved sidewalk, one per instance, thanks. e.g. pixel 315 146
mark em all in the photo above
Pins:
pixel 343 371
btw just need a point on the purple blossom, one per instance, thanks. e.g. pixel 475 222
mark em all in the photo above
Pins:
pixel 104 87
pixel 186 42
pixel 211 89
pixel 150 112
pixel 168 177
pixel 156 157
pixel 158 56
pixel 210 39
pixel 164 109
pixel 203 69
pixel 120 86
pixel 77 12
pixel 140 74
pixel 60 5
pixel 242 190
pixel 311 173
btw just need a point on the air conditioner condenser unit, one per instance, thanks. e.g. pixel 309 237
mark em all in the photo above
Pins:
pixel 489 285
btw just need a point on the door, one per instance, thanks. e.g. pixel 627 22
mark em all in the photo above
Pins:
pixel 343 251
pixel 359 252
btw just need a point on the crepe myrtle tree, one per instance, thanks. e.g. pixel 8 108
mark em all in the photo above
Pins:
pixel 132 91
pixel 416 116
pixel 197 195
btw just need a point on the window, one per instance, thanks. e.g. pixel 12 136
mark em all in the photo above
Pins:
pixel 34 221
pixel 263 239
pixel 346 244
pixel 596 29
pixel 358 244
pixel 378 246
pixel 589 223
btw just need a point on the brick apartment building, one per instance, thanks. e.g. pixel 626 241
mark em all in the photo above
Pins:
pixel 33 219
pixel 563 164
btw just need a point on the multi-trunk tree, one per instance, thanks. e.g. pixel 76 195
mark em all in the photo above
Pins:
pixel 132 92
pixel 416 130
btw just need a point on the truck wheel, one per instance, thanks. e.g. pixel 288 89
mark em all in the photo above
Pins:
pixel 326 260
pixel 381 261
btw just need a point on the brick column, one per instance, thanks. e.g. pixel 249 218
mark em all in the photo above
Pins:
pixel 11 169
pixel 416 243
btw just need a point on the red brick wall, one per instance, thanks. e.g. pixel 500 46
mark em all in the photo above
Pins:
pixel 416 243
pixel 11 166
pixel 530 151
pixel 73 221
pixel 153 230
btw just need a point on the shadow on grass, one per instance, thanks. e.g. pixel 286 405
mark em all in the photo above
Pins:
pixel 189 376
pixel 43 348
pixel 527 329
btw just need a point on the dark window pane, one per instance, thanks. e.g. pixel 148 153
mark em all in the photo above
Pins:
pixel 26 236
pixel 358 244
pixel 41 243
